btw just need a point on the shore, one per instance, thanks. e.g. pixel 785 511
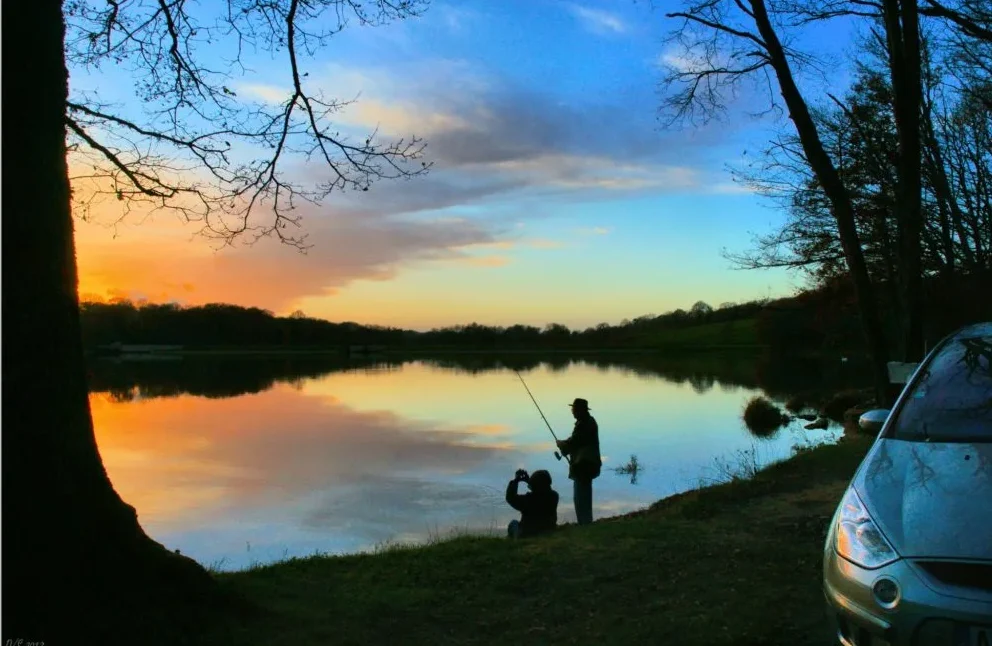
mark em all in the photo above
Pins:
pixel 736 563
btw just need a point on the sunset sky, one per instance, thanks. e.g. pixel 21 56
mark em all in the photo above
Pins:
pixel 556 195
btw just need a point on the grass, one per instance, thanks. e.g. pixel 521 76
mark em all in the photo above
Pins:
pixel 703 567
pixel 742 466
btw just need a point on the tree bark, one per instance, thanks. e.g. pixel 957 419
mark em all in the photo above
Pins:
pixel 839 198
pixel 77 565
pixel 903 39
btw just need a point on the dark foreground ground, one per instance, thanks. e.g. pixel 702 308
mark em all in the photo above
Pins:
pixel 734 564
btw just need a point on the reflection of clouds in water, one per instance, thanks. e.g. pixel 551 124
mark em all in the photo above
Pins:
pixel 401 455
pixel 271 449
pixel 380 508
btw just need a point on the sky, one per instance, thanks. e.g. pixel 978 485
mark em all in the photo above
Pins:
pixel 556 195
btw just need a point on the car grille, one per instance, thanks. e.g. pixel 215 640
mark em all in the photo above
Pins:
pixel 965 575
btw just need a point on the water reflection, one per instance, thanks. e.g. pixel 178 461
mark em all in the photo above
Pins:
pixel 257 459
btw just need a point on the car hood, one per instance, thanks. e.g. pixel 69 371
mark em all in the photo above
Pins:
pixel 930 499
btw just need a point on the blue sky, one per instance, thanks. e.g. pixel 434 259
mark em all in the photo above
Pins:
pixel 556 194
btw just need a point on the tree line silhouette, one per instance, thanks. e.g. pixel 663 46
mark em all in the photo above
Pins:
pixel 224 325
pixel 819 321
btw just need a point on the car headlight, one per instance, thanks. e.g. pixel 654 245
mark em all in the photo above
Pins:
pixel 857 538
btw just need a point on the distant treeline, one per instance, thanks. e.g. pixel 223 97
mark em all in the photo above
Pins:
pixel 822 321
pixel 222 325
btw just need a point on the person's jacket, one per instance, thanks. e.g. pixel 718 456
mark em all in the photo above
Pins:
pixel 538 509
pixel 582 449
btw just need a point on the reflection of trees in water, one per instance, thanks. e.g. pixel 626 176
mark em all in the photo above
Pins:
pixel 701 382
pixel 214 377
pixel 125 394
pixel 229 376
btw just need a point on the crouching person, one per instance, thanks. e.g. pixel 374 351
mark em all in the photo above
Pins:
pixel 538 508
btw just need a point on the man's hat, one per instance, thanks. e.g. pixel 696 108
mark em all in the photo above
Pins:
pixel 580 403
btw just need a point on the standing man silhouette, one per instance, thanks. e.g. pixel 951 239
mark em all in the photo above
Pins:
pixel 585 461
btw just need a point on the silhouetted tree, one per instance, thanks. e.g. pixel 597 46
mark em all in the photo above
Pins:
pixel 725 42
pixel 860 134
pixel 701 309
pixel 77 564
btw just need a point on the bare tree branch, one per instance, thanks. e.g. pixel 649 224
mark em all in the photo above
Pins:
pixel 970 20
pixel 712 24
pixel 192 145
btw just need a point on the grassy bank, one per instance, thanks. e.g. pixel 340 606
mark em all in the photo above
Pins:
pixel 738 563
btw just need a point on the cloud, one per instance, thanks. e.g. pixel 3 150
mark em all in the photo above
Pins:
pixel 689 60
pixel 500 244
pixel 486 261
pixel 541 243
pixel 732 188
pixel 401 118
pixel 595 231
pixel 455 19
pixel 266 93
pixel 598 21
pixel 489 137
pixel 346 248
pixel 495 145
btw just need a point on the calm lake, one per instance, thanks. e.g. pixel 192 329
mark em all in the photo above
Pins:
pixel 236 462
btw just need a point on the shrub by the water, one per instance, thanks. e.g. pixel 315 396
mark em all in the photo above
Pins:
pixel 835 407
pixel 762 417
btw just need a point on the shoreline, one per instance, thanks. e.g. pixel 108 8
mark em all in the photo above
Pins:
pixel 713 558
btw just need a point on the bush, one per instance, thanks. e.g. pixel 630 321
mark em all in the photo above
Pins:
pixel 835 407
pixel 762 417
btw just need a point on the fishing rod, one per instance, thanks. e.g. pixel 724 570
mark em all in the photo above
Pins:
pixel 557 454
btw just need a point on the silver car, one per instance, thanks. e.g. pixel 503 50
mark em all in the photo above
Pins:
pixel 908 555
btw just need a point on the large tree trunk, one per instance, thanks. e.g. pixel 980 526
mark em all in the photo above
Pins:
pixel 838 195
pixel 903 34
pixel 77 567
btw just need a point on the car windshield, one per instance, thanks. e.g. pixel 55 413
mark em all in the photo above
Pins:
pixel 952 402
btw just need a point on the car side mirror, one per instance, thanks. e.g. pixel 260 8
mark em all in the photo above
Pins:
pixel 873 420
